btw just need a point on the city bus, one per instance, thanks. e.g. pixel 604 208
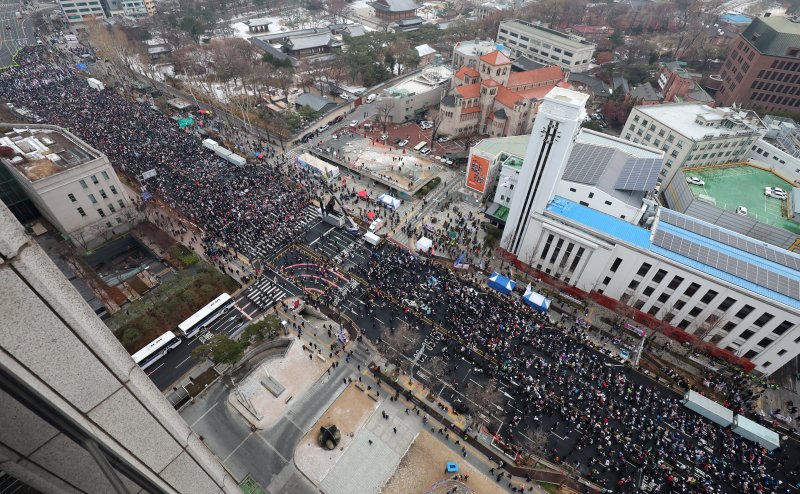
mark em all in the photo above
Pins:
pixel 200 319
pixel 156 349
pixel 421 145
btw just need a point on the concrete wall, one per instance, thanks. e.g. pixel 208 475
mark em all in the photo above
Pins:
pixel 69 387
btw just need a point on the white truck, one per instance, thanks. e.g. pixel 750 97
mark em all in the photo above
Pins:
pixel 372 239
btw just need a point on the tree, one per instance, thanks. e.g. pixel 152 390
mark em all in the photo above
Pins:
pixel 617 112
pixel 592 125
pixel 399 344
pixel 267 328
pixel 221 349
pixel 384 109
pixel 489 399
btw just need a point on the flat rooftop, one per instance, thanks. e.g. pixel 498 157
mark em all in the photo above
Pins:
pixel 42 152
pixel 743 185
pixel 563 39
pixel 682 118
pixel 430 78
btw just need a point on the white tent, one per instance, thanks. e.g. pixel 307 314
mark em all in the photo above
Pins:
pixel 424 244
pixel 389 201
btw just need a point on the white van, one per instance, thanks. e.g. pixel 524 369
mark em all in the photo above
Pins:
pixel 372 97
pixel 376 225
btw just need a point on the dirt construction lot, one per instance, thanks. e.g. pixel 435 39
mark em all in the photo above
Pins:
pixel 424 465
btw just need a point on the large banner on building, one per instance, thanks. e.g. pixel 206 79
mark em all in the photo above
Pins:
pixel 478 173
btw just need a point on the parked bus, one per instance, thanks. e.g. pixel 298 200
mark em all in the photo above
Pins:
pixel 419 146
pixel 156 349
pixel 200 319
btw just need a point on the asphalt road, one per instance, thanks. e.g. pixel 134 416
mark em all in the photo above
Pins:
pixel 253 302
pixel 14 33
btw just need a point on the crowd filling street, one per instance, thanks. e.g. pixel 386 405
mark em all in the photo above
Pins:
pixel 614 421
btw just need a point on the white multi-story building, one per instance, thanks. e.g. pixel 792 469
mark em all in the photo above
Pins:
pixel 545 45
pixel 726 288
pixel 411 96
pixel 468 53
pixel 693 134
pixel 72 184
pixel 779 149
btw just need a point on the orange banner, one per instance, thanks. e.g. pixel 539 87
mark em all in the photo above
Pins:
pixel 477 173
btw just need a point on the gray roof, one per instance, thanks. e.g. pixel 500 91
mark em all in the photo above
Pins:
pixel 316 103
pixel 310 41
pixel 618 81
pixel 501 113
pixel 645 92
pixel 394 5
pixel 773 35
pixel 599 88
pixel 698 94
pixel 413 21
pixel 354 30
pixel 524 63
pixel 600 166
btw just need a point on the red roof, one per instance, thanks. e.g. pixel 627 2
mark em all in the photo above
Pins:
pixel 471 109
pixel 490 83
pixel 466 71
pixel 507 97
pixel 470 90
pixel 496 58
pixel 552 73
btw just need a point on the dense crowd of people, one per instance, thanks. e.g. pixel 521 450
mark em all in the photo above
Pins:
pixel 623 421
pixel 237 207
pixel 615 421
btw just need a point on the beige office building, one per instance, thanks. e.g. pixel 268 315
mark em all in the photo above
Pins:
pixel 72 184
pixel 78 414
pixel 546 46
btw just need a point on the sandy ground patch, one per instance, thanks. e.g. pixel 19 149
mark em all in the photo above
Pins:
pixel 424 464
pixel 349 413
pixel 295 371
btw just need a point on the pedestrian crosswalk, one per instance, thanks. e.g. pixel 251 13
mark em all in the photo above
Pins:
pixel 265 293
pixel 264 248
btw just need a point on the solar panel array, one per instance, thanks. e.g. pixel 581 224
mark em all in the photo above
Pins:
pixel 782 257
pixel 729 264
pixel 587 163
pixel 640 174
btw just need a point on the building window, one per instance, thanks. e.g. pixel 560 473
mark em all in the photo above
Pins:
pixel 113 189
pixel 744 312
pixel 747 334
pixel 750 354
pixel 663 297
pixel 112 208
pixel 648 291
pixel 591 195
pixel 633 284
pixel 92 199
pixel 547 246
pixel 726 304
pixel 72 197
pixel 101 212
pixel 695 311
pixel 782 328
pixel 105 175
pixel 83 183
pixel 764 319
pixel 103 194
pixel 607 280
pixel 684 324
pixel 781 353
pixel 94 180
pixel 675 283
pixel 643 269
pixel 659 276
pixel 728 327
pixel 708 297
pixel 692 289
pixel 121 204
pixel 81 212
pixel 616 264
pixel 765 342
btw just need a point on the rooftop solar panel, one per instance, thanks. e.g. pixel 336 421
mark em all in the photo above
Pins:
pixel 754 247
pixel 640 174
pixel 587 163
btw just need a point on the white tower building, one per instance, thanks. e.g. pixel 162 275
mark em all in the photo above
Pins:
pixel 555 128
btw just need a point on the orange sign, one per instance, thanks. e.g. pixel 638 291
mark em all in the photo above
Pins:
pixel 478 173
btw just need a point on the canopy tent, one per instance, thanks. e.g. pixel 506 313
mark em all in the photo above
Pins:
pixel 501 283
pixel 371 215
pixel 389 201
pixel 362 194
pixel 536 300
pixel 424 244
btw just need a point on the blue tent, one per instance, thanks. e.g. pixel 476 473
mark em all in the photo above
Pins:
pixel 501 283
pixel 536 300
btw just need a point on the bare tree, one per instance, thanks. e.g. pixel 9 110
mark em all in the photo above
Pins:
pixel 384 108
pixel 489 400
pixel 398 344
pixel 712 322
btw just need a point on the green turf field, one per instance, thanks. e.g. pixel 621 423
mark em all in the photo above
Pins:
pixel 743 185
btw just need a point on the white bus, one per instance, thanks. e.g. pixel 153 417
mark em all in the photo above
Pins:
pixel 156 349
pixel 419 146
pixel 206 315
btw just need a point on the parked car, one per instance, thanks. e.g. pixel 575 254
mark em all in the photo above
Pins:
pixel 323 128
pixel 425 150
pixel 695 181
pixel 443 139
pixel 402 142
pixel 775 192
pixel 353 123
pixel 741 210
pixel 337 119
pixel 384 137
